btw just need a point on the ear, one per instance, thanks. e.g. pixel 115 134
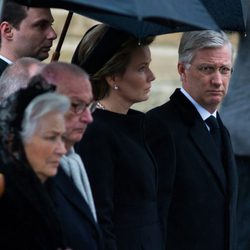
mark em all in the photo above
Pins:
pixel 181 70
pixel 111 80
pixel 6 30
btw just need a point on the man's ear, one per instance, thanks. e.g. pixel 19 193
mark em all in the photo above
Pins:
pixel 181 70
pixel 6 30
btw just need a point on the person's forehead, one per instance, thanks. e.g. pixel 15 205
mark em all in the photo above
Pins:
pixel 140 54
pixel 223 52
pixel 36 14
pixel 51 122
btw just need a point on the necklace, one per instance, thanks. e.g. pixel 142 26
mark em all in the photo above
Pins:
pixel 100 106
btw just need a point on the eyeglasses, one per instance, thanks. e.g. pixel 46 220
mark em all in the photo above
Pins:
pixel 81 107
pixel 208 69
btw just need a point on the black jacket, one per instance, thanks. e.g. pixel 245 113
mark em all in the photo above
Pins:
pixel 28 219
pixel 203 194
pixel 80 230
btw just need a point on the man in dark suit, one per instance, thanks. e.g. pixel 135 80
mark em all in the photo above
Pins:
pixel 70 189
pixel 25 32
pixel 200 180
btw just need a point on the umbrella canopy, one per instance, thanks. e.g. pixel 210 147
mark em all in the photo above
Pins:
pixel 140 17
pixel 229 14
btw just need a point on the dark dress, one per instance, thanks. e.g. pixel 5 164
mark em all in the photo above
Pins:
pixel 28 220
pixel 123 178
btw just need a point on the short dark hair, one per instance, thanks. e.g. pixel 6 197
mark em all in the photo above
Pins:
pixel 13 13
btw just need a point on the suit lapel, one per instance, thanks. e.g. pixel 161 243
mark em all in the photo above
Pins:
pixel 200 136
pixel 67 188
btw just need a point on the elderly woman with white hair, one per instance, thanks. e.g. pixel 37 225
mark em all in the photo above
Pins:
pixel 31 146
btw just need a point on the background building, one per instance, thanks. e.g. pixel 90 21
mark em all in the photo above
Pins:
pixel 164 56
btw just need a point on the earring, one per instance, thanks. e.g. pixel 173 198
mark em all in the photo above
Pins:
pixel 115 87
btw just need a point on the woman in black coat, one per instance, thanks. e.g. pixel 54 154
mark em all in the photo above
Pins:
pixel 31 129
pixel 121 171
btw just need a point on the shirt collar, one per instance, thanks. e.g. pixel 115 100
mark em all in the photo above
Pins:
pixel 203 112
pixel 6 59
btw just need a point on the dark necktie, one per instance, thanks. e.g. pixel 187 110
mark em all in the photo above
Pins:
pixel 213 124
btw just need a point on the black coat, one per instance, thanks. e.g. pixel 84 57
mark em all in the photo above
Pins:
pixel 203 196
pixel 3 66
pixel 28 219
pixel 80 230
pixel 123 178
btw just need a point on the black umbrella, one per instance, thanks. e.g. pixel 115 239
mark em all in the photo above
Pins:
pixel 139 17
pixel 229 14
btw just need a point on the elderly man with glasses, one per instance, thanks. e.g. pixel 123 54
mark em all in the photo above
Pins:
pixel 70 189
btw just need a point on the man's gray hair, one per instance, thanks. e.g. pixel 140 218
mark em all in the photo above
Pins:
pixel 193 41
pixel 39 107
pixel 17 75
pixel 53 72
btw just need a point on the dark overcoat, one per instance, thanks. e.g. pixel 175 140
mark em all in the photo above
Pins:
pixel 203 188
pixel 28 218
pixel 80 230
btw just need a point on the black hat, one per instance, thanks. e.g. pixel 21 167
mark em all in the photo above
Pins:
pixel 104 50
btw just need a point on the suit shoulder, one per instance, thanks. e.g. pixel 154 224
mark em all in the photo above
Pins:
pixel 161 111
